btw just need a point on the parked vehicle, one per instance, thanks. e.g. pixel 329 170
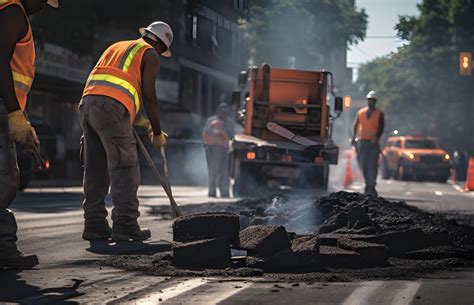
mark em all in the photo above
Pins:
pixel 286 130
pixel 410 157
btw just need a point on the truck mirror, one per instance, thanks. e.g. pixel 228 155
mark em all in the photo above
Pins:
pixel 338 105
pixel 243 79
pixel 236 99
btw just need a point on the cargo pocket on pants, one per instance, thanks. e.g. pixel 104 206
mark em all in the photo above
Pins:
pixel 124 153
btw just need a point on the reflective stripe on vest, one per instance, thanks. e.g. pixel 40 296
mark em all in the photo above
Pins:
pixel 22 82
pixel 368 127
pixel 116 83
pixel 130 54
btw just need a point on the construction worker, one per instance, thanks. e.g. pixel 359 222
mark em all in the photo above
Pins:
pixel 122 80
pixel 368 128
pixel 217 133
pixel 17 70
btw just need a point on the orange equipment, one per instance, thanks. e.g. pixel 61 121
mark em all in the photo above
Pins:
pixel 348 178
pixel 118 74
pixel 470 175
pixel 286 127
pixel 22 62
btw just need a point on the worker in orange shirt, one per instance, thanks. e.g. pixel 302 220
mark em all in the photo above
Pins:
pixel 17 71
pixel 218 131
pixel 368 128
pixel 121 82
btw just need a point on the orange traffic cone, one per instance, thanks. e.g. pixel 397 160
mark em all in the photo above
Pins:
pixel 348 179
pixel 470 175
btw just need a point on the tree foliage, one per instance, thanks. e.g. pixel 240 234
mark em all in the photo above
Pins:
pixel 420 87
pixel 308 30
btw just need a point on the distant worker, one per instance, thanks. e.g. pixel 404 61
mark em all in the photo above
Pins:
pixel 217 133
pixel 17 71
pixel 368 128
pixel 122 80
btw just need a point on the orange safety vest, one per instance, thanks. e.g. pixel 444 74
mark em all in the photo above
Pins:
pixel 215 134
pixel 118 74
pixel 367 128
pixel 22 62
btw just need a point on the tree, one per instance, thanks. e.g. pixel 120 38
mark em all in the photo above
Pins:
pixel 307 30
pixel 420 86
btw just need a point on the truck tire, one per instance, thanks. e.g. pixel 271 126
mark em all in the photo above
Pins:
pixel 246 184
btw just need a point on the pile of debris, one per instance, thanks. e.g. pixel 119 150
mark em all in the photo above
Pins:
pixel 355 231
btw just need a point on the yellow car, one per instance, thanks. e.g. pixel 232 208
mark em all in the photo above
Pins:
pixel 405 157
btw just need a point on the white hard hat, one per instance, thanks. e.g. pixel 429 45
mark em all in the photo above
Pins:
pixel 53 3
pixel 372 95
pixel 161 30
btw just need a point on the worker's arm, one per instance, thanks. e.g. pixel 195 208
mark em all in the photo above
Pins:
pixel 381 126
pixel 151 68
pixel 13 27
pixel 354 128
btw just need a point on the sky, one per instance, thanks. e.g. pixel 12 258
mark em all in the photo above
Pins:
pixel 383 16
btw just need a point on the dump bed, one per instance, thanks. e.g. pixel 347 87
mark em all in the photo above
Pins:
pixel 294 99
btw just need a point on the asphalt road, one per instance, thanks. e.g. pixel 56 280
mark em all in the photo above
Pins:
pixel 50 221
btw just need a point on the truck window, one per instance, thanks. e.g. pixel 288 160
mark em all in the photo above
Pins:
pixel 398 144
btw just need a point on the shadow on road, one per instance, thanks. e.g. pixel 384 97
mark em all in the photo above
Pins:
pixel 131 247
pixel 16 290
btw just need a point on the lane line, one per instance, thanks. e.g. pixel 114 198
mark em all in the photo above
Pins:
pixel 362 294
pixel 438 193
pixel 406 295
pixel 171 292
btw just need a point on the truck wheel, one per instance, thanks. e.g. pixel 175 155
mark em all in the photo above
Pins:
pixel 245 185
pixel 385 170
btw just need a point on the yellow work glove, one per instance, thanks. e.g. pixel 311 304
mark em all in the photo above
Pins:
pixel 21 130
pixel 159 140
pixel 141 121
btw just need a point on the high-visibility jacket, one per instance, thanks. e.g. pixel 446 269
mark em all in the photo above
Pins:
pixel 22 62
pixel 215 133
pixel 368 127
pixel 118 74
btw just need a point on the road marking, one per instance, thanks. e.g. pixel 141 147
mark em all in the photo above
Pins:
pixel 361 295
pixel 439 193
pixel 406 295
pixel 409 193
pixel 171 292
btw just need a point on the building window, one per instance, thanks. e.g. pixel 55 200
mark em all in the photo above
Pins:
pixel 195 30
pixel 239 5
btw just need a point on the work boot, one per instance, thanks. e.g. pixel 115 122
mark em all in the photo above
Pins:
pixel 96 230
pixel 126 233
pixel 19 261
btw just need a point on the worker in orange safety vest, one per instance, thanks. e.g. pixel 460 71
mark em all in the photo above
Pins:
pixel 122 80
pixel 218 131
pixel 17 71
pixel 368 128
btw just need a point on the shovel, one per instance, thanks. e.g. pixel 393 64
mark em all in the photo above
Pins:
pixel 164 181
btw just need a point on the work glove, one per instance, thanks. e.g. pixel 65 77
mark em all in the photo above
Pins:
pixel 21 130
pixel 159 140
pixel 143 122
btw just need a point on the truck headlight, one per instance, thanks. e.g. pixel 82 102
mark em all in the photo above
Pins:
pixel 447 157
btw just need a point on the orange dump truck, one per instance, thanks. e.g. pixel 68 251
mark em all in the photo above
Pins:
pixel 286 130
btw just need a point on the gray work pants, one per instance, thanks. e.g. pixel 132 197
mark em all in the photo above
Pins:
pixel 110 159
pixel 217 165
pixel 9 183
pixel 368 157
